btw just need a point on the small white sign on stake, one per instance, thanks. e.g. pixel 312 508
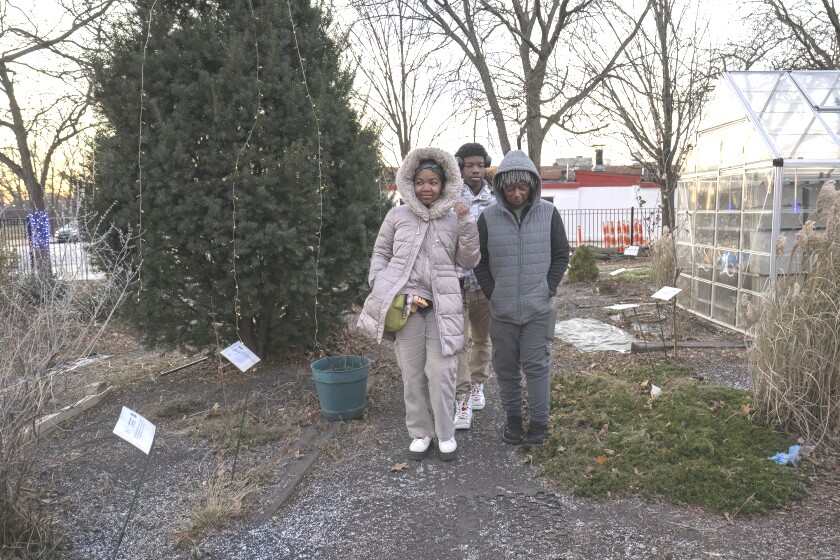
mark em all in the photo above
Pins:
pixel 666 293
pixel 135 429
pixel 631 251
pixel 619 271
pixel 240 356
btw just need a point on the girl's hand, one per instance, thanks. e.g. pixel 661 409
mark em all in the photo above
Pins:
pixel 461 209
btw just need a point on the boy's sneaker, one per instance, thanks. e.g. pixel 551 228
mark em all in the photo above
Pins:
pixel 447 449
pixel 477 396
pixel 536 436
pixel 463 413
pixel 419 448
pixel 512 433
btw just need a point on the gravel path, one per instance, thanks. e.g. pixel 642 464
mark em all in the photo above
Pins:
pixel 352 505
pixel 486 504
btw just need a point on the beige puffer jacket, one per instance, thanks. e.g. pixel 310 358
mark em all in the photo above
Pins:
pixel 400 240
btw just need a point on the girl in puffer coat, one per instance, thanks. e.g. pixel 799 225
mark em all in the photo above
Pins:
pixel 415 254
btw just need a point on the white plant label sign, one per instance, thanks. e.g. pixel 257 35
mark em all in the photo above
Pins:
pixel 666 293
pixel 631 251
pixel 619 271
pixel 239 355
pixel 135 429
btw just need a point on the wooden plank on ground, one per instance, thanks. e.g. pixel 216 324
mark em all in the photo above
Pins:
pixel 658 346
pixel 50 422
pixel 297 469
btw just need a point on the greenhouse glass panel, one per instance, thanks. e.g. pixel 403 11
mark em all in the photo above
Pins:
pixel 706 194
pixel 684 192
pixel 758 190
pixel 728 230
pixel 703 297
pixel 821 87
pixel 684 260
pixel 832 121
pixel 724 303
pixel 684 228
pixel 704 228
pixel 704 263
pixel 730 189
pixel 755 271
pixel 755 147
pixel 757 230
pixel 726 267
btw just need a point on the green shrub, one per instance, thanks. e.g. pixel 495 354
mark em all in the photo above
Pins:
pixel 582 266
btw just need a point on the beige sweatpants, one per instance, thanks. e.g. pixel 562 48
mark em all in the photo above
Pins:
pixel 472 366
pixel 428 378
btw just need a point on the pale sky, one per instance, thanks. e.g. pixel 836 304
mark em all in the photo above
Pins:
pixel 460 130
pixel 724 21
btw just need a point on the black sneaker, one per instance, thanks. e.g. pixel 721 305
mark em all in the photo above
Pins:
pixel 513 430
pixel 537 434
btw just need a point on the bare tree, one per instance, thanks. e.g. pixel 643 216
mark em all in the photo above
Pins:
pixel 658 92
pixel 536 61
pixel 404 79
pixel 11 188
pixel 789 35
pixel 50 55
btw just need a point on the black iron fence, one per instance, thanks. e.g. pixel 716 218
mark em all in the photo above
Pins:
pixel 64 242
pixel 69 257
pixel 612 228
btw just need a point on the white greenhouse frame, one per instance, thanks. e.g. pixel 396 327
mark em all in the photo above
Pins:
pixel 768 144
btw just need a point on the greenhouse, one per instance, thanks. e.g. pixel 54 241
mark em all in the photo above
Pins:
pixel 769 142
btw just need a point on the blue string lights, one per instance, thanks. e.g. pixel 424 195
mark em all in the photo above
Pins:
pixel 38 228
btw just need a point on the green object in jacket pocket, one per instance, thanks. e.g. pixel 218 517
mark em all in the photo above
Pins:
pixel 397 314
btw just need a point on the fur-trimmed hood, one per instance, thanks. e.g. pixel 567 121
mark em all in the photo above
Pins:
pixel 451 189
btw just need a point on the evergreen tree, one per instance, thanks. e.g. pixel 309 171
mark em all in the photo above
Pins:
pixel 582 266
pixel 202 103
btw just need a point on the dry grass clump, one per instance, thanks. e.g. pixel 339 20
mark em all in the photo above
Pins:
pixel 794 358
pixel 664 261
pixel 218 500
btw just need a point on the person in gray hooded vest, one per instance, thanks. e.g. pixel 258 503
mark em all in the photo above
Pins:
pixel 524 254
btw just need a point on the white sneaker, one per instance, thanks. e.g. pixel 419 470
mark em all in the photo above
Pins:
pixel 419 448
pixel 463 413
pixel 448 449
pixel 477 396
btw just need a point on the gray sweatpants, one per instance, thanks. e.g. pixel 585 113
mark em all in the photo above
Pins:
pixel 525 348
pixel 428 378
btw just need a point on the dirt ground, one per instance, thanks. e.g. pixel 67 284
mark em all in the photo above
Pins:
pixel 351 502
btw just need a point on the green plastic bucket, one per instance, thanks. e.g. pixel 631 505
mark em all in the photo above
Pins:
pixel 341 382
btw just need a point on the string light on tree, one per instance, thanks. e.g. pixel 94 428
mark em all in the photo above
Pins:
pixel 38 225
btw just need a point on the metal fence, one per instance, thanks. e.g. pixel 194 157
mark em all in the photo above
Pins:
pixel 69 257
pixel 612 228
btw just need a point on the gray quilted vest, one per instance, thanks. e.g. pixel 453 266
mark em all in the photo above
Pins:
pixel 519 260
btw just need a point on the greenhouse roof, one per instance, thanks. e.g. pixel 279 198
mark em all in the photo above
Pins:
pixel 797 113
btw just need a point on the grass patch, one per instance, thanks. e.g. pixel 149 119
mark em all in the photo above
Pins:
pixel 694 445
pixel 636 274
pixel 174 409
pixel 221 427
